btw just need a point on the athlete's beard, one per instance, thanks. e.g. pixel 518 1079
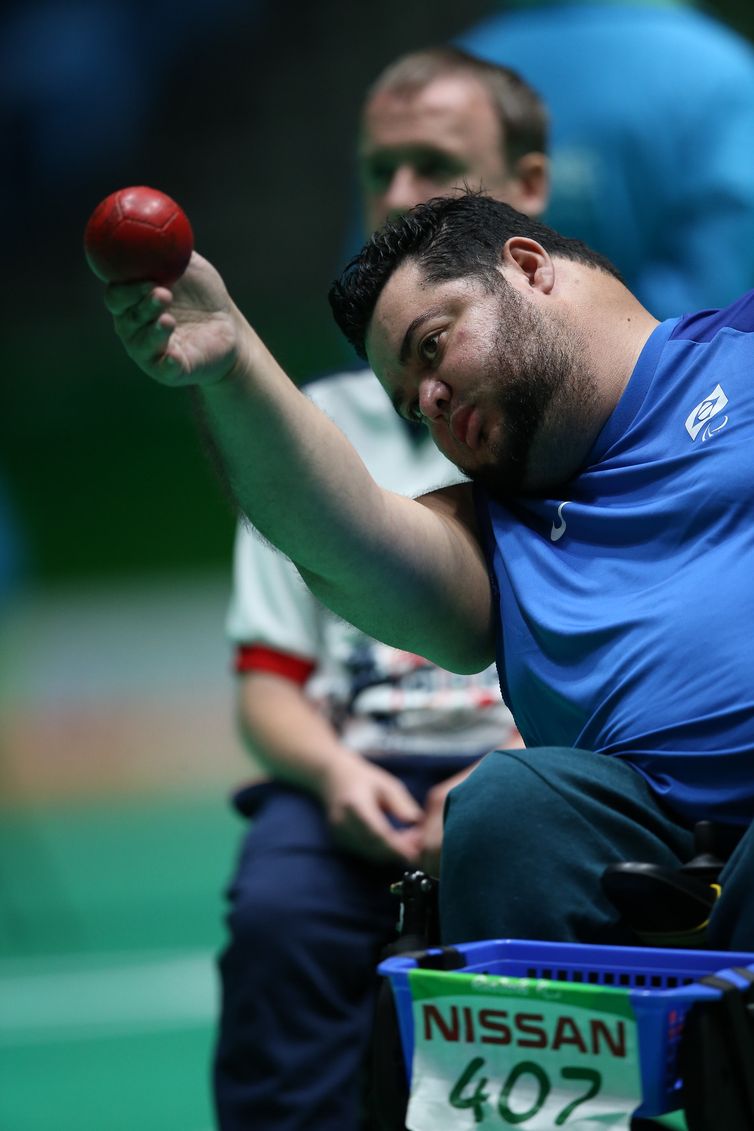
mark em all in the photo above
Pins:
pixel 537 381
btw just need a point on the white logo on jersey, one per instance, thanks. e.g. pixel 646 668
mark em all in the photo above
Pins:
pixel 700 417
pixel 559 528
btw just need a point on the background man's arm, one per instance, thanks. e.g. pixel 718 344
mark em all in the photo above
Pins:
pixel 296 743
pixel 410 573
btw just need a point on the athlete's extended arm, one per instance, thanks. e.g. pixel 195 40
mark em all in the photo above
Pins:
pixel 409 573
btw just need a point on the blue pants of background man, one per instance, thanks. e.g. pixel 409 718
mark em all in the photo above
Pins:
pixel 529 833
pixel 307 926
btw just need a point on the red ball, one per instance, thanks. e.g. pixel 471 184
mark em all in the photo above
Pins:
pixel 138 234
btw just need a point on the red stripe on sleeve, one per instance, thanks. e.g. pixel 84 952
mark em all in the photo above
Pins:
pixel 257 658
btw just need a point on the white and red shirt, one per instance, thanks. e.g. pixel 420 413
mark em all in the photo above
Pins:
pixel 381 700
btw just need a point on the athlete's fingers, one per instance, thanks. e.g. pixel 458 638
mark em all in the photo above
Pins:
pixel 148 311
pixel 119 297
pixel 148 343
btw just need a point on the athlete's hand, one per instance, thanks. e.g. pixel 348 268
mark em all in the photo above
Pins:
pixel 189 334
pixel 362 802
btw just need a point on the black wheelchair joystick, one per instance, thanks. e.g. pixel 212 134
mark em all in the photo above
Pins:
pixel 418 928
pixel 418 918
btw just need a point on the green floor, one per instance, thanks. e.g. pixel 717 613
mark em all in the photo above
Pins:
pixel 110 917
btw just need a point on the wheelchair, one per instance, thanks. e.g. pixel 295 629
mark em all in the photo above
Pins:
pixel 662 907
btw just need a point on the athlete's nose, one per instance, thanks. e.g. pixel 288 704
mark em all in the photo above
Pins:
pixel 434 399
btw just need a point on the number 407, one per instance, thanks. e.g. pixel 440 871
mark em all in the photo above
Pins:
pixel 467 1094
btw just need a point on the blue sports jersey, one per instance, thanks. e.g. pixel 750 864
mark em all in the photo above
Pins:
pixel 627 604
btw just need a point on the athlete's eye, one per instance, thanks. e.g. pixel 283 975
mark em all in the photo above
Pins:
pixel 429 348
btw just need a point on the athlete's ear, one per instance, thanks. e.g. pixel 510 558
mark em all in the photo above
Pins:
pixel 529 262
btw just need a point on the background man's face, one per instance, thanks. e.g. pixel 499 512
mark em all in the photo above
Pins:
pixel 425 142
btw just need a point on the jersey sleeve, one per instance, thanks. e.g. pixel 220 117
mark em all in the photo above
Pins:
pixel 271 612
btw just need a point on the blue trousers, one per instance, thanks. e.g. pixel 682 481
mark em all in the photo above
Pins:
pixel 307 925
pixel 529 833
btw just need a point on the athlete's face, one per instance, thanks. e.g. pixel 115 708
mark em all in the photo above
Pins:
pixel 425 142
pixel 491 374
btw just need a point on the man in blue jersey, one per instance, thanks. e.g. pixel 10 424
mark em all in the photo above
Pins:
pixel 603 552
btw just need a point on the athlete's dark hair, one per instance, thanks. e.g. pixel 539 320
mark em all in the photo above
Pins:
pixel 449 237
pixel 521 113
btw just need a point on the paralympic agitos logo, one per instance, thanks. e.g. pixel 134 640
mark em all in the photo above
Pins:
pixel 700 417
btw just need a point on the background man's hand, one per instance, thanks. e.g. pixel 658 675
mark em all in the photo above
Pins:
pixel 360 799
pixel 431 828
pixel 188 334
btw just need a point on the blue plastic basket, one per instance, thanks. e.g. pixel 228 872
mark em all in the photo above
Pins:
pixel 663 985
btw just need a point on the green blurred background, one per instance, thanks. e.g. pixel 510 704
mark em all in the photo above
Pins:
pixel 117 748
